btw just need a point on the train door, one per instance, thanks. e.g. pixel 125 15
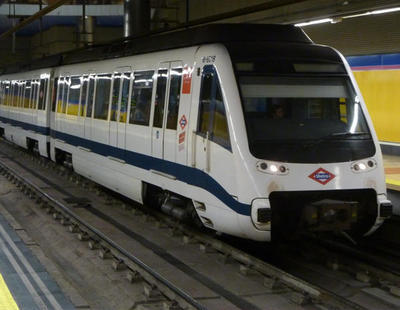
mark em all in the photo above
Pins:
pixel 123 109
pixel 89 107
pixel 212 123
pixel 166 107
pixel 120 87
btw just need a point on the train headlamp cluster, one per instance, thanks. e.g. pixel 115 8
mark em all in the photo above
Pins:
pixel 272 168
pixel 363 166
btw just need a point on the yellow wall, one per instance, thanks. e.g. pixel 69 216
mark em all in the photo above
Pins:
pixel 381 92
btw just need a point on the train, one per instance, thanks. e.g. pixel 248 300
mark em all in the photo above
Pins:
pixel 248 130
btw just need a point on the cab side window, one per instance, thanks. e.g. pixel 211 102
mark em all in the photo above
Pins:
pixel 212 116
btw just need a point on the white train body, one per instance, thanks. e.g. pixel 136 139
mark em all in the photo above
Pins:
pixel 198 144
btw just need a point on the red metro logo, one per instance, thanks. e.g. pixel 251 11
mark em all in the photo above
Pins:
pixel 322 176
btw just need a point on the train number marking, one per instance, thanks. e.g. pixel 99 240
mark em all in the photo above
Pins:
pixel 208 59
pixel 322 176
pixel 183 122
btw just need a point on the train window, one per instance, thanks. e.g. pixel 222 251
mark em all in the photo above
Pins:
pixel 67 83
pixel 174 98
pixel 15 93
pixel 54 95
pixel 212 115
pixel 219 125
pixel 85 82
pixel 102 96
pixel 7 93
pixel 32 104
pixel 160 98
pixel 42 94
pixel 21 95
pixel 1 92
pixel 73 98
pixel 60 95
pixel 141 98
pixel 90 98
pixel 205 103
pixel 27 96
pixel 123 110
pixel 115 96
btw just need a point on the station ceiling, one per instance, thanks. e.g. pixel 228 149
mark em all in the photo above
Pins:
pixel 254 11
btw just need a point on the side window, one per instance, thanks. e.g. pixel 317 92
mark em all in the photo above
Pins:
pixel 160 98
pixel 54 95
pixel 1 92
pixel 15 94
pixel 34 89
pixel 115 96
pixel 21 95
pixel 174 98
pixel 123 110
pixel 139 113
pixel 220 125
pixel 73 98
pixel 67 83
pixel 60 95
pixel 28 91
pixel 102 96
pixel 90 98
pixel 85 82
pixel 42 94
pixel 7 93
pixel 205 102
pixel 212 115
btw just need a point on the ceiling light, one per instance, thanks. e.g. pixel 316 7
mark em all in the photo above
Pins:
pixel 315 22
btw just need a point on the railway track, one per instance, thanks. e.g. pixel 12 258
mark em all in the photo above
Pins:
pixel 235 278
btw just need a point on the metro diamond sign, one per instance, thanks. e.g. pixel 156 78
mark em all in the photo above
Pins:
pixel 322 176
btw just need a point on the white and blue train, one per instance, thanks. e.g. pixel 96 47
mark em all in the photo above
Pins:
pixel 253 130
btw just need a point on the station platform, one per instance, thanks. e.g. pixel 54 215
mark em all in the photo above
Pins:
pixel 391 164
pixel 24 282
pixel 392 171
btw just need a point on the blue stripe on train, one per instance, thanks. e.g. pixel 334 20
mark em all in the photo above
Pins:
pixel 38 129
pixel 189 175
pixel 374 60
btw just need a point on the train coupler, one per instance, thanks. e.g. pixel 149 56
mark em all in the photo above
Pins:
pixel 329 215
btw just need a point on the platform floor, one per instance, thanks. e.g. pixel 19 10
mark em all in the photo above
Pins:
pixel 24 282
pixel 392 171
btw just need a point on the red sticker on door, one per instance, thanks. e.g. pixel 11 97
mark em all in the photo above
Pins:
pixel 182 137
pixel 187 80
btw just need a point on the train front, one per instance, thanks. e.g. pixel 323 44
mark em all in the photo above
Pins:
pixel 317 162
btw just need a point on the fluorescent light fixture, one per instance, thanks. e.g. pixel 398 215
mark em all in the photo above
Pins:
pixel 315 22
pixel 376 12
pixel 332 20
pixel 386 11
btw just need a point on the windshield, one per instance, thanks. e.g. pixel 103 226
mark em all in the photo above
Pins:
pixel 304 119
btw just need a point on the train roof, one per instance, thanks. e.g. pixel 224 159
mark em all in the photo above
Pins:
pixel 159 41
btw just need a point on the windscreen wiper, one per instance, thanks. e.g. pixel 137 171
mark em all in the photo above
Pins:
pixel 345 134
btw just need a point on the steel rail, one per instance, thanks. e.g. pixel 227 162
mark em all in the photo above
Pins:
pixel 318 294
pixel 189 299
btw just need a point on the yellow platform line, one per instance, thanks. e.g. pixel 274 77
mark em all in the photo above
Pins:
pixel 7 301
pixel 393 184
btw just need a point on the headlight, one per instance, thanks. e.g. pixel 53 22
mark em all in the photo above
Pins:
pixel 363 165
pixel 272 168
